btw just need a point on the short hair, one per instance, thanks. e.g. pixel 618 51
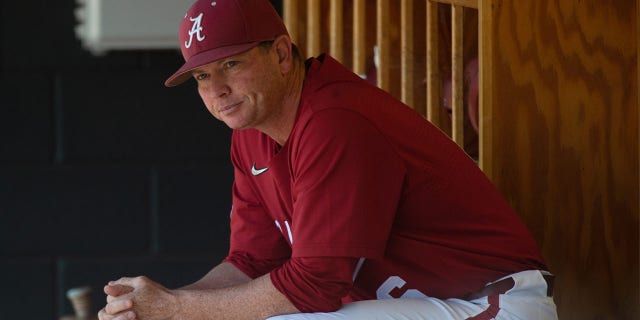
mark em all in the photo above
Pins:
pixel 266 45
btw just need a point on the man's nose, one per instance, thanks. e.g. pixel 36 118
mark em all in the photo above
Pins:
pixel 220 90
pixel 217 88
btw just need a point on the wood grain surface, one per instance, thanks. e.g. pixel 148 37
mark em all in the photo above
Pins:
pixel 564 141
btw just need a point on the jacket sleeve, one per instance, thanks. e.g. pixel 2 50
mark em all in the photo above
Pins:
pixel 315 284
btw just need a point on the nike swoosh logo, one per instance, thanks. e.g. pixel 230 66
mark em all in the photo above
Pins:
pixel 257 172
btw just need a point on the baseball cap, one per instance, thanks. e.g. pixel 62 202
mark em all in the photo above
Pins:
pixel 214 30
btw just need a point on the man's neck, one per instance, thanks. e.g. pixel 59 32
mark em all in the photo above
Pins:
pixel 280 132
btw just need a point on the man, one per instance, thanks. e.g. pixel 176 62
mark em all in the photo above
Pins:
pixel 347 204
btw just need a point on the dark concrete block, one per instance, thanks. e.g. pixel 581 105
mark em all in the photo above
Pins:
pixel 193 208
pixel 277 4
pixel 131 116
pixel 40 35
pixel 27 289
pixel 54 210
pixel 25 118
pixel 170 272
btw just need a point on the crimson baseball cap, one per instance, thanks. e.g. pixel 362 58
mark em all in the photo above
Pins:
pixel 214 30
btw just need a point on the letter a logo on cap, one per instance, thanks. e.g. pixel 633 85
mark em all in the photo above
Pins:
pixel 195 29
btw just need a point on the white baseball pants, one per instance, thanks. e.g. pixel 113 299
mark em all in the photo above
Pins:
pixel 522 295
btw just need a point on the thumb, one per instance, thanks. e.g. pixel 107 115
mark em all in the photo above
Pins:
pixel 113 289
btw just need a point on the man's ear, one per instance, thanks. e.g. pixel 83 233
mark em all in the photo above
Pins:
pixel 282 45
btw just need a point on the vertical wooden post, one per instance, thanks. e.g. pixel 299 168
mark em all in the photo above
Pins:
pixel 434 105
pixel 290 13
pixel 336 46
pixel 359 37
pixel 313 27
pixel 485 83
pixel 457 68
pixel 406 53
pixel 383 42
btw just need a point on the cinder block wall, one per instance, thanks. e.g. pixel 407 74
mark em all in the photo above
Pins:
pixel 104 172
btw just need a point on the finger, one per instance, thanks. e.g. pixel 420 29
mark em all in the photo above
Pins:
pixel 118 306
pixel 103 315
pixel 112 298
pixel 128 281
pixel 116 289
pixel 129 315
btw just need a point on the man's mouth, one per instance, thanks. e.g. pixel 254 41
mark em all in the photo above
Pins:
pixel 228 108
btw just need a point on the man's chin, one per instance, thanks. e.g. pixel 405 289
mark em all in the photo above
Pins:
pixel 236 126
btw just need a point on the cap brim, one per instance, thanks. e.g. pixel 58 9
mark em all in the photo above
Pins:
pixel 206 57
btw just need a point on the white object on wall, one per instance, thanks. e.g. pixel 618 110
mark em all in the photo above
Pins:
pixel 105 25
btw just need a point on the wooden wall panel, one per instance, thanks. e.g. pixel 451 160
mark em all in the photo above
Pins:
pixel 564 141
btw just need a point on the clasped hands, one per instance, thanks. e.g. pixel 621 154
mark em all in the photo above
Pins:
pixel 139 298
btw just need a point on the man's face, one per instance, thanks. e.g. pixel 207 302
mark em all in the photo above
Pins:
pixel 245 90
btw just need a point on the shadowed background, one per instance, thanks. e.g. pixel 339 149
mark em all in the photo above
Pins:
pixel 104 172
